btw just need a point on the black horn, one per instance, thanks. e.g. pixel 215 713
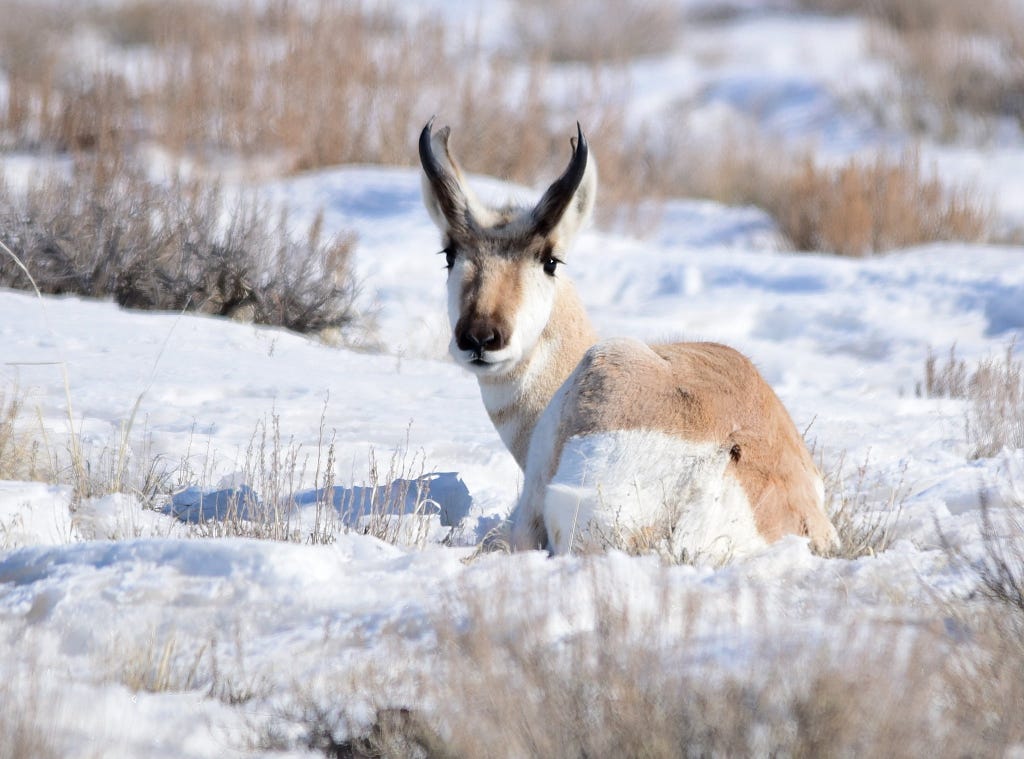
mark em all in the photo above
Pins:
pixel 447 190
pixel 556 200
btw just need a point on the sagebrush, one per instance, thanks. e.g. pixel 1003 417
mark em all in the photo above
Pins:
pixel 110 232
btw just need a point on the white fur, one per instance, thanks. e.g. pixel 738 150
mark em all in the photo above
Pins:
pixel 618 487
pixel 539 458
pixel 529 322
pixel 499 396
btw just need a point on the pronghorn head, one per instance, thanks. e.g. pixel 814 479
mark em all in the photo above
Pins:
pixel 503 278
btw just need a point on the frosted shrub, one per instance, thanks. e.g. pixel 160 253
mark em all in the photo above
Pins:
pixel 109 232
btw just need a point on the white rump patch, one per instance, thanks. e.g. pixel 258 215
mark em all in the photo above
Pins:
pixel 648 490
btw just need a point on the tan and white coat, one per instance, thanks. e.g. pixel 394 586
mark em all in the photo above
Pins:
pixel 681 446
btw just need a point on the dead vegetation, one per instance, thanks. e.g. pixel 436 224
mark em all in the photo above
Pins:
pixel 607 30
pixel 107 231
pixel 624 683
pixel 305 85
pixel 289 87
pixel 994 391
pixel 864 508
pixel 19 451
pixel 29 708
pixel 958 65
pixel 871 206
pixel 861 207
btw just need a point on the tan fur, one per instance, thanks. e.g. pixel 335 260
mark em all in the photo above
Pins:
pixel 705 392
pixel 566 338
pixel 700 392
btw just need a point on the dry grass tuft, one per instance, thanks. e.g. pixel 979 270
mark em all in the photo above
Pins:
pixel 863 509
pixel 862 207
pixel 995 418
pixel 994 390
pixel 948 380
pixel 155 665
pixel 1001 572
pixel 19 452
pixel 870 206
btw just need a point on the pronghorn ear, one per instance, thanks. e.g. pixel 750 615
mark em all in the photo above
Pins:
pixel 569 201
pixel 450 202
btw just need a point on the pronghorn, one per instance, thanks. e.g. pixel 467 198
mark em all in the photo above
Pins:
pixel 620 441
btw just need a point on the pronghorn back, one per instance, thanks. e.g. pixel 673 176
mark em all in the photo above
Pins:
pixel 681 446
pixel 683 441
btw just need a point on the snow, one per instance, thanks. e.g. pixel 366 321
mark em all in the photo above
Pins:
pixel 843 342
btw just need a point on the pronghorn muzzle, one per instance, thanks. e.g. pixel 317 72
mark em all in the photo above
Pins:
pixel 478 335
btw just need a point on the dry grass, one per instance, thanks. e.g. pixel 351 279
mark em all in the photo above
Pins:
pixel 865 206
pixel 947 380
pixel 995 418
pixel 19 452
pixel 305 85
pixel 1001 571
pixel 155 665
pixel 621 684
pixel 277 477
pixel 296 86
pixel 871 206
pixel 28 714
pixel 392 504
pixel 607 30
pixel 994 389
pixel 958 64
pixel 991 678
pixel 863 508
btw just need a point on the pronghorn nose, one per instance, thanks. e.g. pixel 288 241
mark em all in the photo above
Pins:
pixel 479 335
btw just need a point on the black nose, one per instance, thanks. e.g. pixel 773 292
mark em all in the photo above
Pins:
pixel 479 335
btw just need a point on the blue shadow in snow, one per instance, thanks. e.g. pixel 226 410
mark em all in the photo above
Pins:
pixel 441 493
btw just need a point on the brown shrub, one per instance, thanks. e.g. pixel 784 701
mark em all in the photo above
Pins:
pixel 871 206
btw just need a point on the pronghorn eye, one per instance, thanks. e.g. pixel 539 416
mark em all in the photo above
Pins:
pixel 549 265
pixel 449 257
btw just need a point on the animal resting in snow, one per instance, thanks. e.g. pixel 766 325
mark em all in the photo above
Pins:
pixel 682 447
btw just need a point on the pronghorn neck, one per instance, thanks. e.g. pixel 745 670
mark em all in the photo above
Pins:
pixel 515 400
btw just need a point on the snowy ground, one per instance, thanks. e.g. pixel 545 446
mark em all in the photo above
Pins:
pixel 843 341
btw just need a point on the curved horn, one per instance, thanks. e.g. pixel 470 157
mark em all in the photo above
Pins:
pixel 556 200
pixel 447 189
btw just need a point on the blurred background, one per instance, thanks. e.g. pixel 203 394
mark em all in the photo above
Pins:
pixel 860 127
